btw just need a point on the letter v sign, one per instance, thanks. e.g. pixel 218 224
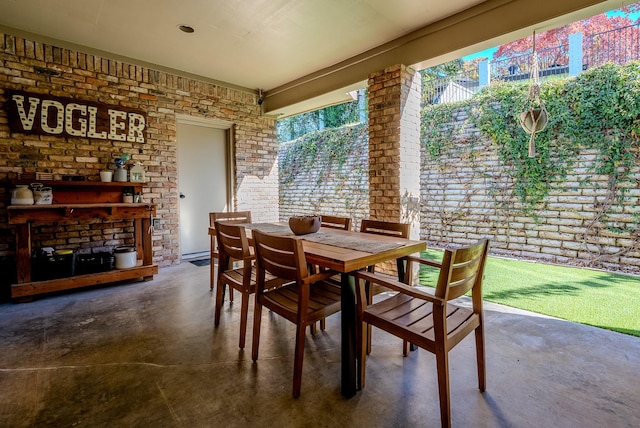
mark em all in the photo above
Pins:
pixel 26 119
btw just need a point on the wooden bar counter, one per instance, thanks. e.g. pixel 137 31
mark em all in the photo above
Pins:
pixel 82 201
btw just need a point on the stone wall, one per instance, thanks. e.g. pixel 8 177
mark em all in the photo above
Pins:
pixel 45 69
pixel 320 183
pixel 467 194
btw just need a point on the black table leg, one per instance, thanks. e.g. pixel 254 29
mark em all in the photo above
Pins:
pixel 348 317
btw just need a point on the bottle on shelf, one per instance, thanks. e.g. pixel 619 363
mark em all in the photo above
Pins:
pixel 120 173
pixel 127 196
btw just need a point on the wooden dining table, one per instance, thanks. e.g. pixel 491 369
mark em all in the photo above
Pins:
pixel 347 252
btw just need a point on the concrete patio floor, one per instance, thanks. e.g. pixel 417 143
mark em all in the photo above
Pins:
pixel 147 354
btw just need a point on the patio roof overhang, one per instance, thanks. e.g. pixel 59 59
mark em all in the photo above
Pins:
pixel 486 25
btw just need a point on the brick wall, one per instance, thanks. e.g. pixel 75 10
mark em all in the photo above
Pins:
pixel 384 149
pixel 46 69
pixel 394 141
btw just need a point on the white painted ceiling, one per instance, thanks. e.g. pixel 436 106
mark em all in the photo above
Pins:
pixel 249 43
pixel 252 44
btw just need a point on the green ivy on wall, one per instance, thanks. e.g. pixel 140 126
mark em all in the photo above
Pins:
pixel 598 110
pixel 328 150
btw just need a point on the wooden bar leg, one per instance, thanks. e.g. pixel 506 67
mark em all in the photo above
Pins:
pixel 23 252
pixel 147 249
pixel 137 238
pixel 143 242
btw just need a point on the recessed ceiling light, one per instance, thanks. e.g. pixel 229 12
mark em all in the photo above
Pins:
pixel 186 28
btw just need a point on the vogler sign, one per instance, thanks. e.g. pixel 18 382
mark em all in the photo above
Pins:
pixel 41 114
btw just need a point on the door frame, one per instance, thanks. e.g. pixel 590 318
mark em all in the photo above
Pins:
pixel 229 149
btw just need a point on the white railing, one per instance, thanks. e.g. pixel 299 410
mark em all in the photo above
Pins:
pixel 619 46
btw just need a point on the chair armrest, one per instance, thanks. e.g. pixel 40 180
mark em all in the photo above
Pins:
pixel 398 286
pixel 275 282
pixel 326 274
pixel 422 260
pixel 250 258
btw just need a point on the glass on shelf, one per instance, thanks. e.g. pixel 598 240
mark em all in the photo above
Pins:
pixel 137 173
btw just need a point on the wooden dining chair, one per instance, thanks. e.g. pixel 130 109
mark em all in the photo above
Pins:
pixel 233 245
pixel 428 319
pixel 332 222
pixel 229 217
pixel 335 222
pixel 292 293
pixel 386 228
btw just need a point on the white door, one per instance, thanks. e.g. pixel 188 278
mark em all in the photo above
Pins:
pixel 203 183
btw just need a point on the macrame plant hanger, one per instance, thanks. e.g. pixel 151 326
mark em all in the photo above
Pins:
pixel 534 118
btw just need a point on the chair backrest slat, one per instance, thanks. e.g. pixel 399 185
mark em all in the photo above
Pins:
pixel 236 217
pixel 281 256
pixel 388 228
pixel 462 270
pixel 230 217
pixel 232 240
pixel 336 222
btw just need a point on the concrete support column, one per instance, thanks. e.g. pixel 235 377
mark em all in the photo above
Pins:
pixel 394 146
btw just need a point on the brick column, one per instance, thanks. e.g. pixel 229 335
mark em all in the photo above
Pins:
pixel 394 146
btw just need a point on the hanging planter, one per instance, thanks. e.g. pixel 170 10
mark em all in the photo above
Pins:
pixel 534 120
pixel 535 117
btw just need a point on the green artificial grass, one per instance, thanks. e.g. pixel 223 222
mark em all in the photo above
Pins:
pixel 585 296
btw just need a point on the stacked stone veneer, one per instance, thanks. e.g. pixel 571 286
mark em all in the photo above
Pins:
pixel 323 184
pixel 466 194
pixel 42 68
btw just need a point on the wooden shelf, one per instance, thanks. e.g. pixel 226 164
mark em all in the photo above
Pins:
pixel 54 213
pixel 75 201
pixel 27 289
pixel 84 183
pixel 81 192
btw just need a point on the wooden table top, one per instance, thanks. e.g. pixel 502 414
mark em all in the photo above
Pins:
pixel 341 259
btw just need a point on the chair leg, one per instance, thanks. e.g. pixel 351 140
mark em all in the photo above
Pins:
pixel 361 346
pixel 408 347
pixel 214 256
pixel 212 273
pixel 255 341
pixel 297 361
pixel 244 312
pixel 232 264
pixel 313 329
pixel 219 299
pixel 369 328
pixel 442 362
pixel 482 373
